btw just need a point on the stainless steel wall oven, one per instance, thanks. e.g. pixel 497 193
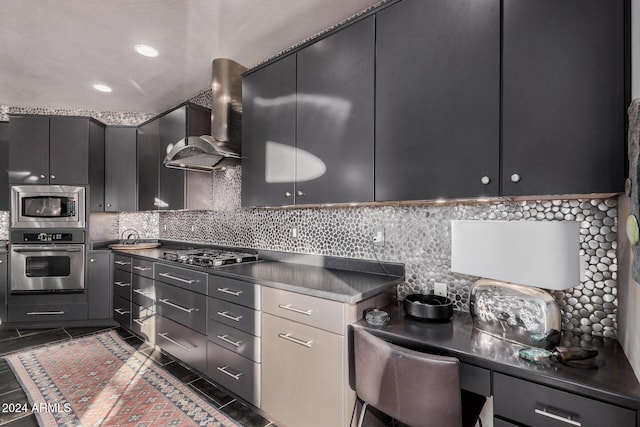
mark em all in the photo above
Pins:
pixel 47 261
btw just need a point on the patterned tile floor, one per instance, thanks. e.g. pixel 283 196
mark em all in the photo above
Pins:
pixel 11 391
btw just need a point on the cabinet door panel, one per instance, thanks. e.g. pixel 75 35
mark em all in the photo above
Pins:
pixel 269 134
pixel 29 150
pixel 4 166
pixel 99 284
pixel 120 169
pixel 172 181
pixel 563 96
pixel 335 112
pixel 148 142
pixel 69 151
pixel 3 287
pixel 437 99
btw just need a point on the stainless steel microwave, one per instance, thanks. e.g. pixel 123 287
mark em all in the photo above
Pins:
pixel 47 206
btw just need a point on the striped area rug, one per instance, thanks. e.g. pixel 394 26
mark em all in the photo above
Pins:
pixel 100 380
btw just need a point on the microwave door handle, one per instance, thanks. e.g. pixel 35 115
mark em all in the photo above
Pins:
pixel 45 249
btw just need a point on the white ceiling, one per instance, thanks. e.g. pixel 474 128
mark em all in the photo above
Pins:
pixel 53 51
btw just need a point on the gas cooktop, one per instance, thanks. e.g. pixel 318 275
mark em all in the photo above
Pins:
pixel 206 257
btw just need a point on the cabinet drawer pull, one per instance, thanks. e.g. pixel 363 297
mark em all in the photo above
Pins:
pixel 179 307
pixel 122 284
pixel 226 339
pixel 544 413
pixel 230 292
pixel 223 369
pixel 122 263
pixel 120 311
pixel 137 267
pixel 295 310
pixel 38 313
pixel 288 337
pixel 138 321
pixel 228 316
pixel 179 279
pixel 165 335
pixel 143 293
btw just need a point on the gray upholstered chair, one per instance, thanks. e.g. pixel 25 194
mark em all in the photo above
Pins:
pixel 415 388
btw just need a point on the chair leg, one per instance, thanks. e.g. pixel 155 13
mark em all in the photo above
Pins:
pixel 364 409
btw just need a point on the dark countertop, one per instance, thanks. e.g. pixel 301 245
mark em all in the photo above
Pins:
pixel 613 380
pixel 338 284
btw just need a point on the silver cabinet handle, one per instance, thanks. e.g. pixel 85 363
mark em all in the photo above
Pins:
pixel 179 307
pixel 42 176
pixel 228 316
pixel 226 339
pixel 165 335
pixel 137 267
pixel 485 180
pixel 143 293
pixel 295 310
pixel 53 177
pixel 230 292
pixel 120 311
pixel 223 369
pixel 300 193
pixel 288 337
pixel 287 194
pixel 108 205
pixel 38 313
pixel 122 284
pixel 1 261
pixel 515 178
pixel 180 279
pixel 544 413
pixel 121 263
pixel 138 321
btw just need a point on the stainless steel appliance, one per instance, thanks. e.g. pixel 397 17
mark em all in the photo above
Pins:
pixel 208 257
pixel 47 261
pixel 47 206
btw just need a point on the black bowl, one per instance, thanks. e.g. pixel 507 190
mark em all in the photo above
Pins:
pixel 428 307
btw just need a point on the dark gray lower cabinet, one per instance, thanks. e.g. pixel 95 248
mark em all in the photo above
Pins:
pixel 4 166
pixel 98 285
pixel 437 100
pixel 186 344
pixel 526 403
pixel 4 283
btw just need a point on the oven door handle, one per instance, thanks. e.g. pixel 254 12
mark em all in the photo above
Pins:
pixel 46 249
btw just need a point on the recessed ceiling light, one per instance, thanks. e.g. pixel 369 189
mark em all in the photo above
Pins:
pixel 146 50
pixel 102 88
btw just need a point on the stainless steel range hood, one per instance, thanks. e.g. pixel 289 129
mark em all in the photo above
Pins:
pixel 223 147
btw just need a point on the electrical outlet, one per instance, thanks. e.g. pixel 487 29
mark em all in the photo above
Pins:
pixel 294 233
pixel 378 237
pixel 193 228
pixel 440 289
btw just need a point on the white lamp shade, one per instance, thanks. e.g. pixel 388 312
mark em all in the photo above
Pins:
pixel 544 254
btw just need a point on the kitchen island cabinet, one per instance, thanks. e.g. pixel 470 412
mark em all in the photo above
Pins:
pixel 564 100
pixel 58 150
pixel 308 123
pixel 437 100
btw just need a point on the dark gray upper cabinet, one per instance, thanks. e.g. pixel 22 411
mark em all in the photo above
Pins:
pixel 160 187
pixel 28 150
pixel 96 166
pixel 335 117
pixel 563 97
pixel 269 134
pixel 437 100
pixel 308 123
pixel 148 165
pixel 120 162
pixel 4 166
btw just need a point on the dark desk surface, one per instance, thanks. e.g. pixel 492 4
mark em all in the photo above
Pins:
pixel 613 381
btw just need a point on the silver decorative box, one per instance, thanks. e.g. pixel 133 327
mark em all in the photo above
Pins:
pixel 521 314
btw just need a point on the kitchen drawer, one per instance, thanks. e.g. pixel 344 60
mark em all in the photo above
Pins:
pixel 316 312
pixel 122 311
pixel 185 344
pixel 237 316
pixel 497 422
pixel 236 291
pixel 475 379
pixel 142 290
pixel 47 312
pixel 238 374
pixel 122 284
pixel 122 262
pixel 182 277
pixel 142 267
pixel 234 340
pixel 143 321
pixel 524 402
pixel 182 306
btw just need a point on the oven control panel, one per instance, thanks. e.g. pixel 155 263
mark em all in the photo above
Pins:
pixel 47 236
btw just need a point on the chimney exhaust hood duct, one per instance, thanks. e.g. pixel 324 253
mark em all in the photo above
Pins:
pixel 223 147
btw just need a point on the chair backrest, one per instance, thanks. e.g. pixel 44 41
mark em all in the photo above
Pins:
pixel 415 388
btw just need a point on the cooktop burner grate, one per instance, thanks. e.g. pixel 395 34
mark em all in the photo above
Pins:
pixel 208 257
